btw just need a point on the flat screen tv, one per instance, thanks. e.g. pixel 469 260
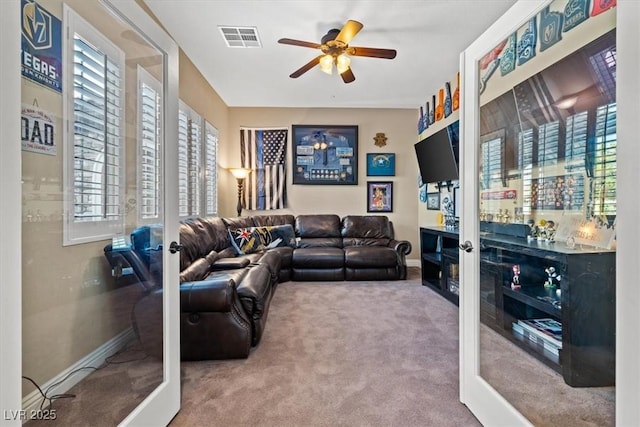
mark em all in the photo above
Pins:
pixel 438 155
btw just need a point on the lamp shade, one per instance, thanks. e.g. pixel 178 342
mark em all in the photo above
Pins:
pixel 240 173
pixel 326 64
pixel 342 63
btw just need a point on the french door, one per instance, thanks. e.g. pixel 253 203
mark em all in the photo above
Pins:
pixel 99 103
pixel 538 141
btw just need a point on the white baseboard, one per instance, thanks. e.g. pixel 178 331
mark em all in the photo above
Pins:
pixel 96 358
pixel 413 263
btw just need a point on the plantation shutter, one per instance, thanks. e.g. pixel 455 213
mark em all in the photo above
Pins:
pixel 97 150
pixel 210 170
pixel 605 169
pixel 150 154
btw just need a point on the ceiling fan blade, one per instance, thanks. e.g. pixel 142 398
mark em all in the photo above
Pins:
pixel 299 43
pixel 371 52
pixel 348 76
pixel 349 31
pixel 306 67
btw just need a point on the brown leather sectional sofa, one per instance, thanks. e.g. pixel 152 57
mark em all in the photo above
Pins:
pixel 225 296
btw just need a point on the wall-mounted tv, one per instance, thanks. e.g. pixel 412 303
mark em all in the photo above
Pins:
pixel 438 155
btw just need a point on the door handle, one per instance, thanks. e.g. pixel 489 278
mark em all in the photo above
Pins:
pixel 467 246
pixel 175 247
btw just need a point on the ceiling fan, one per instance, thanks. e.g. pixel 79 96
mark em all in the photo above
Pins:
pixel 336 50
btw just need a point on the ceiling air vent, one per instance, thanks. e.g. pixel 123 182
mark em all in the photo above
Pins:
pixel 240 36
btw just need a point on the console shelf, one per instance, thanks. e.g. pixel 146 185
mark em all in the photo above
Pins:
pixel 439 248
pixel 584 305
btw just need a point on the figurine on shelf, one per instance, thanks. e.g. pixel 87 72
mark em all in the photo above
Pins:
pixel 553 278
pixel 515 280
pixel 533 230
pixel 506 218
pixel 550 231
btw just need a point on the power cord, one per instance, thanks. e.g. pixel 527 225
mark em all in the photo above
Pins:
pixel 108 361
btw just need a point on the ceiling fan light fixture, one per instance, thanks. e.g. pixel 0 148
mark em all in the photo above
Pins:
pixel 567 102
pixel 342 63
pixel 326 64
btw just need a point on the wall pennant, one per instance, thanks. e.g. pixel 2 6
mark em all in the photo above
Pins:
pixel 508 58
pixel 600 6
pixel 432 111
pixel 550 28
pixel 426 116
pixel 447 100
pixel 439 114
pixel 527 43
pixel 575 13
pixel 456 93
pixel 488 64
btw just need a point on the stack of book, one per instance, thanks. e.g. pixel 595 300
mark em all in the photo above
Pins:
pixel 544 335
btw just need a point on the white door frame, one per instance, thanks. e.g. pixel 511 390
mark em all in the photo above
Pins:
pixel 10 217
pixel 488 405
pixel 164 402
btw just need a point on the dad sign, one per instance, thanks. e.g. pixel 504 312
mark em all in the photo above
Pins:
pixel 38 130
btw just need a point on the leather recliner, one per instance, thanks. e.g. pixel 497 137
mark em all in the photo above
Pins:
pixel 225 297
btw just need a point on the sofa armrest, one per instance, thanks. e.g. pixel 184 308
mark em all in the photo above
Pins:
pixel 230 263
pixel 403 247
pixel 209 295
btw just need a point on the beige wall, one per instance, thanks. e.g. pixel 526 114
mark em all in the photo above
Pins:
pixel 399 127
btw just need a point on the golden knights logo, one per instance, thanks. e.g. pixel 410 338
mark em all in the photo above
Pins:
pixel 36 26
pixel 41 45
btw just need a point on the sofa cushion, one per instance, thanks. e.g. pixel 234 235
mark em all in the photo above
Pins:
pixel 367 230
pixel 230 263
pixel 311 226
pixel 262 220
pixel 190 246
pixel 370 257
pixel 320 257
pixel 217 232
pixel 198 270
pixel 238 222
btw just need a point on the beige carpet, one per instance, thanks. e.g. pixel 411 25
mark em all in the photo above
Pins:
pixel 343 354
pixel 338 354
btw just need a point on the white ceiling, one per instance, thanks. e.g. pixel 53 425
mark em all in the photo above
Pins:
pixel 428 35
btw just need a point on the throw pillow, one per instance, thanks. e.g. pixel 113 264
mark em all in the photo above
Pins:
pixel 277 235
pixel 253 239
pixel 245 240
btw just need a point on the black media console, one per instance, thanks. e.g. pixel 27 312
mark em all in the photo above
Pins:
pixel 583 303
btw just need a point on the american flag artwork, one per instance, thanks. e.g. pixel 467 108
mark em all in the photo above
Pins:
pixel 264 151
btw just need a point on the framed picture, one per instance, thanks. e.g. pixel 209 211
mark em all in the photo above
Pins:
pixel 381 164
pixel 380 196
pixel 325 155
pixel 433 201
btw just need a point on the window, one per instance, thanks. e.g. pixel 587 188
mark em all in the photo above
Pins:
pixel 604 161
pixel 548 136
pixel 491 146
pixel 149 147
pixel 94 145
pixel 189 161
pixel 576 142
pixel 525 164
pixel 210 170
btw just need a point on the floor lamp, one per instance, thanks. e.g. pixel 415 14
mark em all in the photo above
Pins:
pixel 240 174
